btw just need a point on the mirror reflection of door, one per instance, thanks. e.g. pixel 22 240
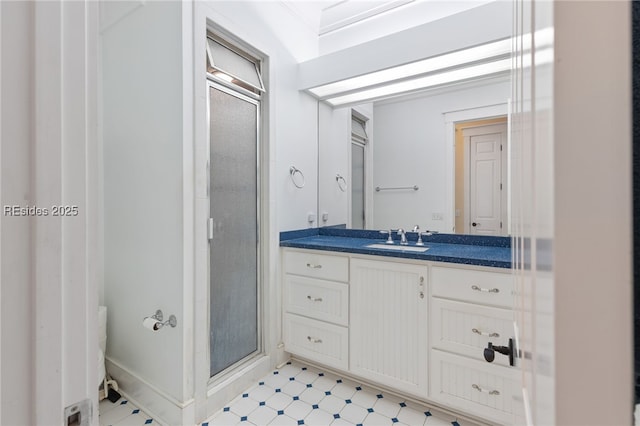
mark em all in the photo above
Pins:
pixel 481 177
pixel 358 146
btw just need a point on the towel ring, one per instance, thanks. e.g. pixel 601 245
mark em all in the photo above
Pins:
pixel 343 186
pixel 294 171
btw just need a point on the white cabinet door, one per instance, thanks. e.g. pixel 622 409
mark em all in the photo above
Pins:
pixel 388 324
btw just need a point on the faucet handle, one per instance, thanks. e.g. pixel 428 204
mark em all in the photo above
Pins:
pixel 426 234
pixel 416 228
pixel 390 236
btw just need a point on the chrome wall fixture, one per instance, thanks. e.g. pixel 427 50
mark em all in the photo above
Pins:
pixel 414 187
pixel 342 182
pixel 298 182
pixel 156 321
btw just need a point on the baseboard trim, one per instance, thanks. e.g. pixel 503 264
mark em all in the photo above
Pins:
pixel 164 408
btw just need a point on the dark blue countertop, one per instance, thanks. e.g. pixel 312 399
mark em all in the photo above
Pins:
pixel 464 249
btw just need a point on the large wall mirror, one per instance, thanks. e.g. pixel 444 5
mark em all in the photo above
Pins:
pixel 435 157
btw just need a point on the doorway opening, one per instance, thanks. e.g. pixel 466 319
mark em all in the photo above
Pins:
pixel 481 177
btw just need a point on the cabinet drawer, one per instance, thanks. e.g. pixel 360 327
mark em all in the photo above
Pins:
pixel 319 299
pixel 466 328
pixel 487 390
pixel 475 286
pixel 318 341
pixel 316 265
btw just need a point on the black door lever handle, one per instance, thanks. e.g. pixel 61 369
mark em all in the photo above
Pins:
pixel 490 352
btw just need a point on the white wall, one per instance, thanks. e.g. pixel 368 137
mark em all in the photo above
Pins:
pixel 334 139
pixel 142 127
pixel 334 157
pixel 411 149
pixel 592 156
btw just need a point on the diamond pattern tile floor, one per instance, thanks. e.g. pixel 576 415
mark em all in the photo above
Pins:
pixel 297 394
pixel 122 413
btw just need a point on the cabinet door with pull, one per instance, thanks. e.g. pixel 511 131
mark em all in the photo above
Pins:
pixel 388 324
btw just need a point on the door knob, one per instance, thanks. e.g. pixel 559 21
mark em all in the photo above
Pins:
pixel 490 352
pixel 474 224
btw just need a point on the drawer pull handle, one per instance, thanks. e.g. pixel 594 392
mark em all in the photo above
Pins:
pixel 313 266
pixel 319 299
pixel 484 333
pixel 487 290
pixel 479 389
pixel 314 340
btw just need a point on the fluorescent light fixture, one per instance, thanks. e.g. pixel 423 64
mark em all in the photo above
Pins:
pixel 423 82
pixel 448 60
pixel 474 62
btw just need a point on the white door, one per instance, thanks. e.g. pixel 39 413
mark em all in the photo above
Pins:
pixel 485 147
pixel 387 311
pixel 49 246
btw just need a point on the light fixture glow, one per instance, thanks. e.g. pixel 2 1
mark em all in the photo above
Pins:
pixel 423 82
pixel 498 48
pixel 223 76
pixel 474 62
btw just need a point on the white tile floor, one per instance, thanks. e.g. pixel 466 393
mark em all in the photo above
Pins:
pixel 297 394
pixel 267 403
pixel 122 413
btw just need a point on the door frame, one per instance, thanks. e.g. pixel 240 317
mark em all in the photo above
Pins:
pixel 208 396
pixel 218 84
pixel 450 119
pixel 503 174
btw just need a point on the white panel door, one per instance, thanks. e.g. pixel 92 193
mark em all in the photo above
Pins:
pixel 485 178
pixel 49 262
pixel 388 324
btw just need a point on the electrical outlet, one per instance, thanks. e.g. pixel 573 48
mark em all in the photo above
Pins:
pixel 436 216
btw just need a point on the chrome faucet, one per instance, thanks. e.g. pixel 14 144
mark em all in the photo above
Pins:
pixel 403 237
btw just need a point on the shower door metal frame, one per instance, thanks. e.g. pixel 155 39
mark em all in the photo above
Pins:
pixel 255 99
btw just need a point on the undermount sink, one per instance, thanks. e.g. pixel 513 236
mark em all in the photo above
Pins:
pixel 398 248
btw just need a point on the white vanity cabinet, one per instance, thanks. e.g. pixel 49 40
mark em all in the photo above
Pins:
pixel 469 308
pixel 316 303
pixel 416 327
pixel 388 329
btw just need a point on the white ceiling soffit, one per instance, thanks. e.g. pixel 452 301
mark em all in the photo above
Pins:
pixel 342 14
pixel 340 24
pixel 327 16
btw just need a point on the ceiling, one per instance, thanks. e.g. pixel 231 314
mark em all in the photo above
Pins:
pixel 327 17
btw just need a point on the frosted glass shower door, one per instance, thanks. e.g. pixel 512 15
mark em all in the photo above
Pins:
pixel 233 194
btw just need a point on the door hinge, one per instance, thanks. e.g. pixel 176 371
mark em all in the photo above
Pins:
pixel 500 187
pixel 500 147
pixel 500 225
